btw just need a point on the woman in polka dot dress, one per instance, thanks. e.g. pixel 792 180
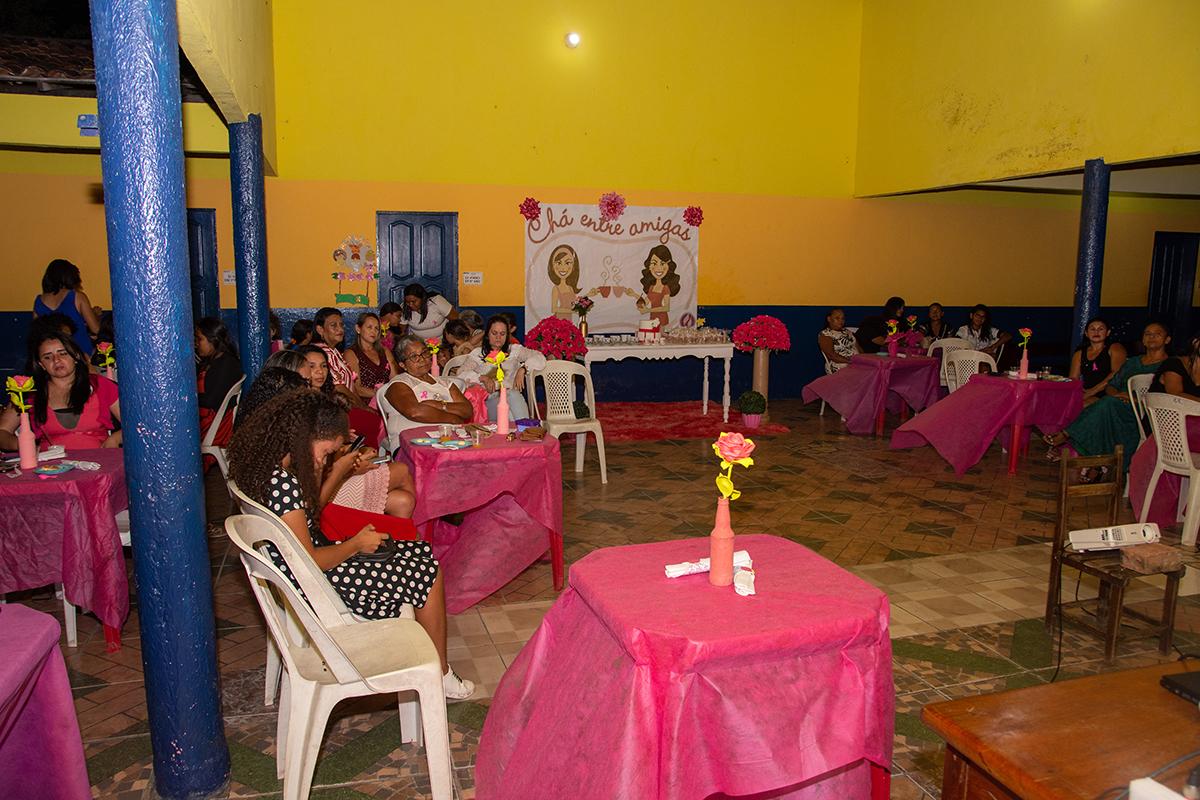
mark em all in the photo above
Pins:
pixel 278 458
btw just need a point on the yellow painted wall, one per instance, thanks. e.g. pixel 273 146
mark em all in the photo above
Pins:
pixel 703 95
pixel 28 120
pixel 229 43
pixel 959 91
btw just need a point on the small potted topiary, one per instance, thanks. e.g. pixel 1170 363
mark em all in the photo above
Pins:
pixel 752 405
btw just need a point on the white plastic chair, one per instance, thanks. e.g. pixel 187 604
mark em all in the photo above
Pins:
pixel 454 365
pixel 228 405
pixel 962 364
pixel 947 346
pixel 558 378
pixel 1136 387
pixel 331 661
pixel 274 666
pixel 70 626
pixel 1168 421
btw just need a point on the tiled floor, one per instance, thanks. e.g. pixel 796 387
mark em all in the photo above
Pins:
pixel 963 559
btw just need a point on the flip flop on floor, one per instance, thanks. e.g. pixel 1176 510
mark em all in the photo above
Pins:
pixel 1054 439
pixel 1054 455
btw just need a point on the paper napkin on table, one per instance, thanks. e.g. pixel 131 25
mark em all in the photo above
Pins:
pixel 741 558
pixel 51 453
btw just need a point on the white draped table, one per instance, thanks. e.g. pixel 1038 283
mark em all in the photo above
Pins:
pixel 656 352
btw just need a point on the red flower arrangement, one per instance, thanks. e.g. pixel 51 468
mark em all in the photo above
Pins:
pixel 556 338
pixel 612 206
pixel 530 209
pixel 693 215
pixel 762 331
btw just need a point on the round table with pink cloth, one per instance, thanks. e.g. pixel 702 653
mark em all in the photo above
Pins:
pixel 963 425
pixel 871 384
pixel 41 754
pixel 640 686
pixel 63 529
pixel 510 498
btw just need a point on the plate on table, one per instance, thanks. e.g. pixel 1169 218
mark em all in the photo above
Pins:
pixel 53 469
pixel 425 441
pixel 452 444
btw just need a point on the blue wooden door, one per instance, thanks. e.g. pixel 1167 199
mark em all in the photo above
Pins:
pixel 1173 279
pixel 417 247
pixel 202 261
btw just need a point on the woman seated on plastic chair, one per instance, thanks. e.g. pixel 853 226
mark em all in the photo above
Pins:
pixel 415 397
pixel 1110 420
pixel 71 407
pixel 278 458
pixel 217 370
pixel 497 336
pixel 1180 376
pixel 353 479
pixel 837 344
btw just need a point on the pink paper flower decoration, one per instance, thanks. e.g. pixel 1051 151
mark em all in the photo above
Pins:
pixel 612 206
pixel 693 215
pixel 530 209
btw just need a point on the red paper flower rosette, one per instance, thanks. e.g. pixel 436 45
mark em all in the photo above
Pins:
pixel 530 209
pixel 556 338
pixel 762 331
pixel 693 215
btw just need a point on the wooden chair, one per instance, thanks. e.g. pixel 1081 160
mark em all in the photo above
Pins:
pixel 1103 565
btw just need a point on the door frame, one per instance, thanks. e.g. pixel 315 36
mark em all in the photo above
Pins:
pixel 206 220
pixel 383 247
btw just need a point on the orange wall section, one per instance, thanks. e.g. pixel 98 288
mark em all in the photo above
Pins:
pixel 958 247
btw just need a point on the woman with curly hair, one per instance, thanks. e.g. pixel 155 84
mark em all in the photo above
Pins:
pixel 278 458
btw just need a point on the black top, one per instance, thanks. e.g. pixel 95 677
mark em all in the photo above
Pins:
pixel 870 328
pixel 1094 370
pixel 1180 368
pixel 946 331
pixel 219 377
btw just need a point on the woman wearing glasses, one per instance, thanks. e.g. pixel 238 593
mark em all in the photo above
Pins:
pixel 415 397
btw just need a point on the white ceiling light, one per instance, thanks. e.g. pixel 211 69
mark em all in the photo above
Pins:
pixel 572 40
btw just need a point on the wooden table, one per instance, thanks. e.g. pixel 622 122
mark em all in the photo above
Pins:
pixel 599 351
pixel 1066 741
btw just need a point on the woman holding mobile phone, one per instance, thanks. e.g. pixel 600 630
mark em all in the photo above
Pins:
pixel 278 459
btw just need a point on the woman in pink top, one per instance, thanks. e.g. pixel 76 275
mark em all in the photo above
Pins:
pixel 71 407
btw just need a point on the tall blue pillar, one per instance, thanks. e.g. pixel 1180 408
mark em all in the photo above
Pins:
pixel 250 243
pixel 136 47
pixel 1093 222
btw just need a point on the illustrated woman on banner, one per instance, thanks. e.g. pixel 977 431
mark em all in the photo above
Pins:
pixel 660 281
pixel 564 274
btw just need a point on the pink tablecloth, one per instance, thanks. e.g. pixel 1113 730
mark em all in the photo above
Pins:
pixel 41 755
pixel 62 529
pixel 963 425
pixel 860 391
pixel 643 687
pixel 510 495
pixel 1164 508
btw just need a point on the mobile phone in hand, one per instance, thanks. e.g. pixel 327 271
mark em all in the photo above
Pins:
pixel 383 459
pixel 358 442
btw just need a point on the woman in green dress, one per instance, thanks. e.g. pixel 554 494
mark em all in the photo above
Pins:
pixel 1110 421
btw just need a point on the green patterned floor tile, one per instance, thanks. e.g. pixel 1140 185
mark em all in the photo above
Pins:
pixel 958 659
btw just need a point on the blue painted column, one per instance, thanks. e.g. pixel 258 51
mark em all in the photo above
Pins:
pixel 1093 222
pixel 250 243
pixel 136 47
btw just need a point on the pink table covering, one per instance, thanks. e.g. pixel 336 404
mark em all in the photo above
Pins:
pixel 963 425
pixel 643 687
pixel 41 754
pixel 861 391
pixel 1164 507
pixel 63 529
pixel 510 495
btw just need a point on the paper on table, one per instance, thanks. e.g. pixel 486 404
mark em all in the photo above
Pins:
pixel 740 559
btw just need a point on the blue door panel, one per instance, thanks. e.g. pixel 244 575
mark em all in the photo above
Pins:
pixel 417 247
pixel 202 261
